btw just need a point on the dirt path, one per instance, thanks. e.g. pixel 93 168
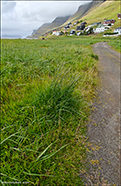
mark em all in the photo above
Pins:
pixel 104 127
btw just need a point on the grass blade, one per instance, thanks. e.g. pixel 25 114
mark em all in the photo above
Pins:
pixel 33 174
pixel 43 152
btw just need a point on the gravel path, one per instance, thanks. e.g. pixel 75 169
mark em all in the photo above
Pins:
pixel 104 126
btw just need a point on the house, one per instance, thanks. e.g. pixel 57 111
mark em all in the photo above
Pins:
pixel 75 23
pixel 83 23
pixel 82 27
pixel 119 15
pixel 78 28
pixel 118 30
pixel 99 29
pixel 111 21
pixel 72 32
pixel 69 23
pixel 67 27
pixel 56 33
pixel 95 24
pixel 78 33
pixel 89 30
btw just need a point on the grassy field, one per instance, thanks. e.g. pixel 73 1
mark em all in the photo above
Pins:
pixel 46 90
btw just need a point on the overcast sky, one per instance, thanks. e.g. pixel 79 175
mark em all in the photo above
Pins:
pixel 22 17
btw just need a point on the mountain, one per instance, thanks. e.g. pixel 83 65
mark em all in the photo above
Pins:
pixel 81 10
pixel 106 10
pixel 84 9
pixel 41 30
pixel 48 27
pixel 60 22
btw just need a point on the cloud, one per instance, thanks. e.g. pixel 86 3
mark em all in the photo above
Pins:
pixel 8 6
pixel 21 17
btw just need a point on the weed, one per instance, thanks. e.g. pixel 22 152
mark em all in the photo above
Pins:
pixel 45 91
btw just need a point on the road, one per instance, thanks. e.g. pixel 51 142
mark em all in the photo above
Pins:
pixel 104 128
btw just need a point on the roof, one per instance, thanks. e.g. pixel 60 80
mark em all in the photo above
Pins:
pixel 96 23
pixel 118 28
pixel 109 20
pixel 83 23
pixel 99 26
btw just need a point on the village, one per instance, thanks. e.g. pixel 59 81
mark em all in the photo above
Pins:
pixel 94 28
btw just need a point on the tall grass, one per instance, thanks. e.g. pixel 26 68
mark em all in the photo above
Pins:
pixel 46 87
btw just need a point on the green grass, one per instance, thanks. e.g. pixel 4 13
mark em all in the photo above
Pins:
pixel 46 89
pixel 101 12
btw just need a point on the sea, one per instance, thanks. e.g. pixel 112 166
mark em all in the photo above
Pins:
pixel 12 37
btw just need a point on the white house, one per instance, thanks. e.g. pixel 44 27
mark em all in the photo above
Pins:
pixel 56 33
pixel 72 32
pixel 118 30
pixel 99 29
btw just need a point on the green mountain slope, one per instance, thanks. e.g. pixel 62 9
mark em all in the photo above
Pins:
pixel 107 10
pixel 95 11
pixel 100 12
pixel 43 29
pixel 84 9
pixel 47 27
pixel 59 22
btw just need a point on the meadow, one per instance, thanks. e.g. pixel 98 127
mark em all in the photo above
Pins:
pixel 46 91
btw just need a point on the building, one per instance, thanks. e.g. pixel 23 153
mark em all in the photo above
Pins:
pixel 67 27
pixel 119 15
pixel 82 27
pixel 118 30
pixel 56 33
pixel 95 24
pixel 99 29
pixel 72 32
pixel 111 21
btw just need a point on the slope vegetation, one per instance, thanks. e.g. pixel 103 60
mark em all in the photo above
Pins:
pixel 106 10
pixel 85 9
pixel 60 22
pixel 100 12
pixel 50 26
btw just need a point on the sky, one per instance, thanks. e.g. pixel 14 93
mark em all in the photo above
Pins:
pixel 20 18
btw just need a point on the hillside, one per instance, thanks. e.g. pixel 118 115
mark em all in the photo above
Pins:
pixel 100 12
pixel 43 29
pixel 81 10
pixel 107 10
pixel 84 9
pixel 91 12
pixel 50 26
pixel 59 22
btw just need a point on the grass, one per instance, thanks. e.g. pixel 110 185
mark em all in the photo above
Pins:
pixel 46 89
pixel 99 13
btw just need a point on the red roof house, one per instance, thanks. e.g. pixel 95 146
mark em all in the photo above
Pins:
pixel 111 21
pixel 119 16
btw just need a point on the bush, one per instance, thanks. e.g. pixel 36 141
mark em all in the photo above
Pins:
pixel 58 99
pixel 110 33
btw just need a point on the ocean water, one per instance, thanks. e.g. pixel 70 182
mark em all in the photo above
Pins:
pixel 15 37
pixel 11 37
